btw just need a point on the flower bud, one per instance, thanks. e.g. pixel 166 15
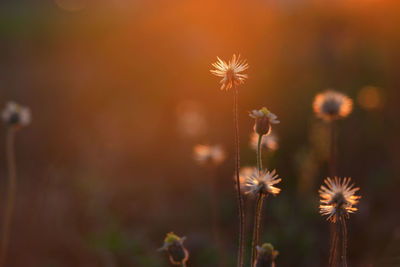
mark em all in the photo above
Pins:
pixel 266 256
pixel 263 120
pixel 173 244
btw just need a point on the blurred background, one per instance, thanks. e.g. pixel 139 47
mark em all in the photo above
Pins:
pixel 120 92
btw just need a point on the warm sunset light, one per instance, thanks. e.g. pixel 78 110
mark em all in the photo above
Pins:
pixel 156 133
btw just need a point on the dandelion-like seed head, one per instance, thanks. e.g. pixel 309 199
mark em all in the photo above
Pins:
pixel 338 198
pixel 262 182
pixel 266 255
pixel 205 154
pixel 332 105
pixel 263 120
pixel 269 142
pixel 230 72
pixel 173 244
pixel 16 115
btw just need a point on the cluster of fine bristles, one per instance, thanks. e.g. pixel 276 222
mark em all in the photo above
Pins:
pixel 262 182
pixel 338 196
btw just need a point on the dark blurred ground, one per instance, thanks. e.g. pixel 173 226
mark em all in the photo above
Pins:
pixel 105 169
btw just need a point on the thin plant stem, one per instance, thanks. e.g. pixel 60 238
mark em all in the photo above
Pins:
pixel 258 209
pixel 333 150
pixel 237 166
pixel 259 156
pixel 256 229
pixel 12 187
pixel 344 242
pixel 332 173
pixel 334 245
pixel 183 264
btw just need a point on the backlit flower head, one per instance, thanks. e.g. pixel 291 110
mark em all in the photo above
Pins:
pixel 205 154
pixel 269 142
pixel 332 105
pixel 262 182
pixel 263 120
pixel 173 244
pixel 266 255
pixel 338 198
pixel 16 115
pixel 230 72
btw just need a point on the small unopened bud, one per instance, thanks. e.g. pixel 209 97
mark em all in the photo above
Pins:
pixel 263 120
pixel 178 254
pixel 266 255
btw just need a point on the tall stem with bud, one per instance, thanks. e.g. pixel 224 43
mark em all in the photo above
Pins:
pixel 237 166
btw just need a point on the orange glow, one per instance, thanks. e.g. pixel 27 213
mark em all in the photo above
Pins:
pixel 370 97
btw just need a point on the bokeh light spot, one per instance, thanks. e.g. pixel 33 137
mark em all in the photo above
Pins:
pixel 370 97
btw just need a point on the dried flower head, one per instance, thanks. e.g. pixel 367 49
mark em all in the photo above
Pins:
pixel 263 120
pixel 338 198
pixel 269 142
pixel 173 244
pixel 230 72
pixel 332 105
pixel 205 154
pixel 262 182
pixel 266 255
pixel 16 115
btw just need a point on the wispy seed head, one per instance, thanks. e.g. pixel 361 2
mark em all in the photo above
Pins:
pixel 338 198
pixel 230 72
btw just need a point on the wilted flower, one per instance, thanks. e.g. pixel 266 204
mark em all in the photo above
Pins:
pixel 266 255
pixel 264 118
pixel 267 141
pixel 332 105
pixel 262 182
pixel 230 72
pixel 16 115
pixel 173 244
pixel 338 198
pixel 205 154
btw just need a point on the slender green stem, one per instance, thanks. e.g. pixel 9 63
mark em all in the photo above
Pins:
pixel 256 228
pixel 237 166
pixel 12 186
pixel 183 264
pixel 259 156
